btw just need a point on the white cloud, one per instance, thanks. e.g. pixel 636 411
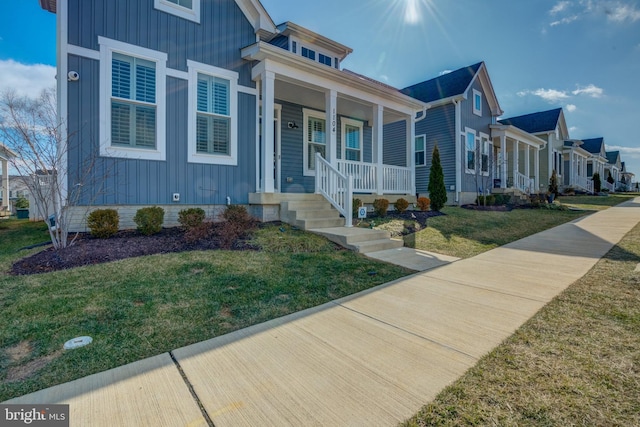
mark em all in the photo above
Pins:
pixel 443 72
pixel 559 7
pixel 571 108
pixel 550 95
pixel 633 152
pixel 591 90
pixel 573 128
pixel 26 79
pixel 619 12
pixel 566 20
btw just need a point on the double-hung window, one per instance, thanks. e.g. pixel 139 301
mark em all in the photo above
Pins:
pixel 352 139
pixel 212 132
pixel 315 139
pixel 471 151
pixel 421 146
pixel 187 9
pixel 484 154
pixel 132 101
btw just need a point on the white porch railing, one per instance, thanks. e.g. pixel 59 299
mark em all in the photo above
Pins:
pixel 524 183
pixel 583 182
pixel 395 179
pixel 364 175
pixel 608 186
pixel 336 187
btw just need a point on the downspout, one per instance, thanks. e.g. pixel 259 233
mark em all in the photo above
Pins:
pixel 456 102
pixel 423 114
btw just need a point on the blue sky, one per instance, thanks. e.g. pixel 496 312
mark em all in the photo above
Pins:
pixel 583 55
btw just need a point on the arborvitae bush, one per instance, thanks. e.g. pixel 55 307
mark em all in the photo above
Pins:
pixel 553 184
pixel 436 188
pixel 424 203
pixel 103 223
pixel 380 207
pixel 149 220
pixel 597 183
pixel 401 205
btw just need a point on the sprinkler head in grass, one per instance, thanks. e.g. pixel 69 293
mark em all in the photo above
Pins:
pixel 282 229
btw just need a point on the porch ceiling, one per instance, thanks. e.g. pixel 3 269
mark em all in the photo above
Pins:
pixel 301 93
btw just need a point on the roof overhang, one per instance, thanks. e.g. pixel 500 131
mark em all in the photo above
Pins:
pixel 290 28
pixel 348 81
pixel 49 5
pixel 6 153
pixel 517 134
pixel 577 149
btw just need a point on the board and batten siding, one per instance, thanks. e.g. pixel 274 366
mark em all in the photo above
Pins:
pixel 217 41
pixel 480 124
pixel 439 127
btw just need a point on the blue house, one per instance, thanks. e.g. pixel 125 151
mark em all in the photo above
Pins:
pixel 597 157
pixel 182 103
pixel 474 149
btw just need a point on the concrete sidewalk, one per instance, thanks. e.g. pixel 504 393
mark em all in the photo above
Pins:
pixel 369 359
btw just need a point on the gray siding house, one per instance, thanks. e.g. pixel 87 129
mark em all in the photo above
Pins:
pixel 181 103
pixel 462 108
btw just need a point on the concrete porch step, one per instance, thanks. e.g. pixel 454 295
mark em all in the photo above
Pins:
pixel 318 223
pixel 361 240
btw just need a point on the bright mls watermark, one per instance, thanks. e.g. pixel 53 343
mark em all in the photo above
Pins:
pixel 34 415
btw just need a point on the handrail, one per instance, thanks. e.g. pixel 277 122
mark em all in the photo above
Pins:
pixel 524 183
pixel 335 187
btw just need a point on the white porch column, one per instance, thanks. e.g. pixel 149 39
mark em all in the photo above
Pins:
pixel 527 161
pixel 536 169
pixel 516 168
pixel 503 161
pixel 5 183
pixel 378 153
pixel 268 93
pixel 331 111
pixel 411 149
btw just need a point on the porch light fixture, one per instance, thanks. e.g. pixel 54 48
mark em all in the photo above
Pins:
pixel 292 125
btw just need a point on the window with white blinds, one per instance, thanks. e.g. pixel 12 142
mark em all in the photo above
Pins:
pixel 133 102
pixel 316 140
pixel 213 122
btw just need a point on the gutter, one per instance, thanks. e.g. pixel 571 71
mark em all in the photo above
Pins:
pixel 456 102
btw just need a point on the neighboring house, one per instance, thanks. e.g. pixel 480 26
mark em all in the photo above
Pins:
pixel 5 155
pixel 462 109
pixel 626 179
pixel 181 103
pixel 597 157
pixel 549 126
pixel 575 167
pixel 612 169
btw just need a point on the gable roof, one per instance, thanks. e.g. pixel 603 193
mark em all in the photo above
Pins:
pixel 445 86
pixel 593 145
pixel 613 157
pixel 542 121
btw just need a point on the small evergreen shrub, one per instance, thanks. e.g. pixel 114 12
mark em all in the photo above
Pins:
pixel 501 199
pixel 423 203
pixel 489 200
pixel 357 203
pixel 436 187
pixel 191 218
pixel 597 183
pixel 610 180
pixel 21 203
pixel 103 223
pixel 149 220
pixel 401 205
pixel 553 184
pixel 380 207
pixel 236 223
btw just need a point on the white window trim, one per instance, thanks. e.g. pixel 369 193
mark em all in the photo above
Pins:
pixel 213 159
pixel 183 12
pixel 424 138
pixel 107 48
pixel 477 112
pixel 306 114
pixel 489 153
pixel 475 151
pixel 300 44
pixel 355 123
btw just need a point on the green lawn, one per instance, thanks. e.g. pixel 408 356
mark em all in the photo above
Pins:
pixel 145 306
pixel 595 203
pixel 576 362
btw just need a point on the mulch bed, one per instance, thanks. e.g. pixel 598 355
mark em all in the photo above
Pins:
pixel 88 250
pixel 501 208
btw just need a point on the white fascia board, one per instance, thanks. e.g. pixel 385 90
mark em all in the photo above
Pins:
pixel 288 64
pixel 257 15
pixel 513 132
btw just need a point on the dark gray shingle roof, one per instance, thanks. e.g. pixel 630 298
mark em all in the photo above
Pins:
pixel 612 156
pixel 593 145
pixel 543 121
pixel 445 86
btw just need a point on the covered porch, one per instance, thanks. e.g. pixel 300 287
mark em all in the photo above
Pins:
pixel 5 155
pixel 597 164
pixel 517 159
pixel 340 115
pixel 576 174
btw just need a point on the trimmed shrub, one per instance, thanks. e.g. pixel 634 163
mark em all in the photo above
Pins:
pixel 236 223
pixel 610 180
pixel 423 203
pixel 597 183
pixel 149 220
pixel 436 187
pixel 21 203
pixel 553 184
pixel 380 207
pixel 103 223
pixel 502 199
pixel 357 203
pixel 191 218
pixel 486 200
pixel 401 205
